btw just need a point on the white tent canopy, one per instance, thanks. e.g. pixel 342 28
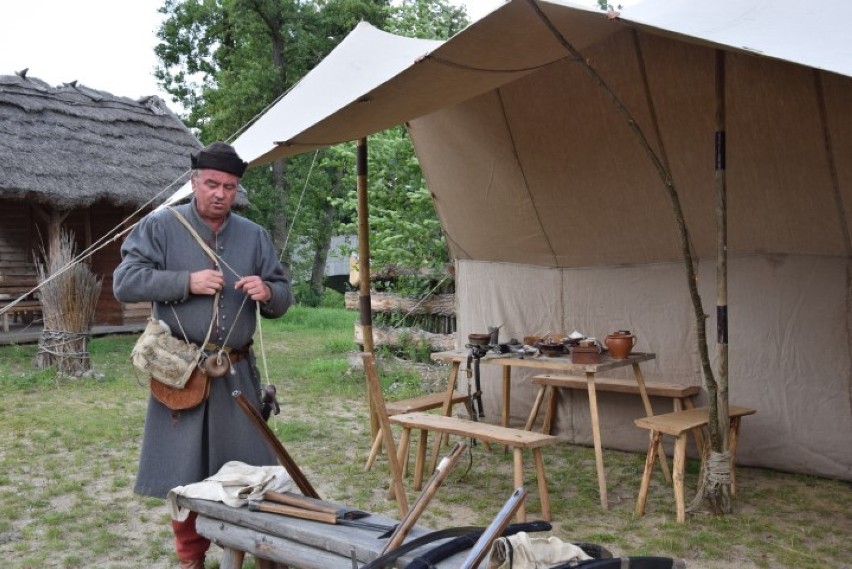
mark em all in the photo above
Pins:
pixel 557 219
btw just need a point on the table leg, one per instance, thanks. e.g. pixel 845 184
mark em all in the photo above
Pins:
pixel 649 411
pixel 507 396
pixel 596 435
pixel 679 467
pixel 446 410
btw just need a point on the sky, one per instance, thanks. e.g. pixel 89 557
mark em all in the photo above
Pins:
pixel 103 44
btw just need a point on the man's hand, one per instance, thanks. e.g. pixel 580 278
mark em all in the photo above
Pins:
pixel 207 281
pixel 255 288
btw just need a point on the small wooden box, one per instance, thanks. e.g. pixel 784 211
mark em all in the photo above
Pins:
pixel 585 355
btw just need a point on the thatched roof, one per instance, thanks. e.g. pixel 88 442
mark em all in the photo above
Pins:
pixel 72 146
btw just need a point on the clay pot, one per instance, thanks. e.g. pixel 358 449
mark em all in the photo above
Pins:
pixel 479 339
pixel 620 344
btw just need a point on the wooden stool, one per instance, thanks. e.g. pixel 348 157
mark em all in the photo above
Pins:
pixel 679 424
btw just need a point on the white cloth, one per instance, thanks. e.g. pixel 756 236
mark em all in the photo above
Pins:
pixel 235 484
pixel 520 551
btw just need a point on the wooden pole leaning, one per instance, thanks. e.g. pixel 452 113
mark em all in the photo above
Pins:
pixel 280 452
pixel 494 530
pixel 441 472
pixel 378 401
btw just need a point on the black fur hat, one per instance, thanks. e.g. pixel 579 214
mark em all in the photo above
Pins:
pixel 219 156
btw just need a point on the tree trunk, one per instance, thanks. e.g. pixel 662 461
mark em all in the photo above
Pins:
pixel 683 232
pixel 280 224
pixel 321 252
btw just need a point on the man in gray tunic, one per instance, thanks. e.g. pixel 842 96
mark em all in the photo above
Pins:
pixel 162 262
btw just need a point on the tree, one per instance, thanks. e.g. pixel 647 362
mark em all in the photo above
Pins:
pixel 225 61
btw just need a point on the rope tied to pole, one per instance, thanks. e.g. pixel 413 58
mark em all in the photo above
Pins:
pixel 718 469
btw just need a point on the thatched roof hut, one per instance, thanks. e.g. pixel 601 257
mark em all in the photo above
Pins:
pixel 84 159
pixel 71 146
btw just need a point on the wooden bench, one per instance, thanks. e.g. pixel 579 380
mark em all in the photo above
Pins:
pixel 26 308
pixel 415 404
pixel 518 439
pixel 681 395
pixel 679 424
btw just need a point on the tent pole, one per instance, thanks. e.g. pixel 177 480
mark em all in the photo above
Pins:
pixel 721 417
pixel 364 264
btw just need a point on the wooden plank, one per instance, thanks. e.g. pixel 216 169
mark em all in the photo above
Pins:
pixel 682 421
pixel 618 385
pixel 483 431
pixel 563 364
pixel 422 403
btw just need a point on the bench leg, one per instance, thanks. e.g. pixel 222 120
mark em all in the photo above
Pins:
pixel 550 412
pixel 447 410
pixel 507 398
pixel 679 467
pixel 653 445
pixel 421 458
pixel 401 454
pixel 518 455
pixel 374 450
pixel 649 411
pixel 543 494
pixel 539 397
pixel 733 437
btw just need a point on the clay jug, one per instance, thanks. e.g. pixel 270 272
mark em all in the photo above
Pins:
pixel 620 343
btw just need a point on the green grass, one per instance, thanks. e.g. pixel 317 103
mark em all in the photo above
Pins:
pixel 68 451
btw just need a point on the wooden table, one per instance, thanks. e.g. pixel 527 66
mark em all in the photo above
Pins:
pixel 561 364
pixel 278 541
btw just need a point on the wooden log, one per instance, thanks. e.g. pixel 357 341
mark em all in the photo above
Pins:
pixel 438 304
pixel 392 337
pixel 391 272
pixel 268 546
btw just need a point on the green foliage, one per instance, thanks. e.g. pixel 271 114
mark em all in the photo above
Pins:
pixel 412 349
pixel 430 19
pixel 404 228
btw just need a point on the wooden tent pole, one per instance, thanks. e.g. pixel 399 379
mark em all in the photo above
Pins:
pixel 722 417
pixel 364 265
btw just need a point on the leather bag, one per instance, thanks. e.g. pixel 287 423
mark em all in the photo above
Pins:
pixel 193 393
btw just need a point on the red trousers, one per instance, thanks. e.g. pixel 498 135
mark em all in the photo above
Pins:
pixel 189 545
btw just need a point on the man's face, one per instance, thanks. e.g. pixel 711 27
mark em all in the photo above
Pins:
pixel 215 191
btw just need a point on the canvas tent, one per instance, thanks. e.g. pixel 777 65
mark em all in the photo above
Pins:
pixel 558 221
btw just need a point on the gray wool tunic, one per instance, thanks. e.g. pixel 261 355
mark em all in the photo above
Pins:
pixel 183 447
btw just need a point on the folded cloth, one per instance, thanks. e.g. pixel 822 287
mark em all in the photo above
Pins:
pixel 235 484
pixel 520 551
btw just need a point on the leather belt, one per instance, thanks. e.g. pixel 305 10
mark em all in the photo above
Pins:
pixel 237 353
pixel 237 356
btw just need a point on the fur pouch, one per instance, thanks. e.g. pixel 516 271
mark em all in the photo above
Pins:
pixel 162 356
